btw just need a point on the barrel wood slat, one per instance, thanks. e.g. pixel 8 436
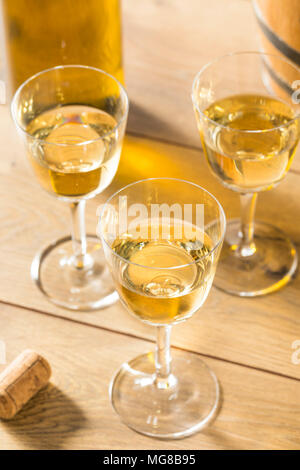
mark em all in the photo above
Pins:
pixel 259 410
pixel 255 332
pixel 280 25
pixel 280 35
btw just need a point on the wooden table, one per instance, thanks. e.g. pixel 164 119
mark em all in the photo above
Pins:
pixel 248 342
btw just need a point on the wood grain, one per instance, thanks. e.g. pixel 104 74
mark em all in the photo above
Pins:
pixel 166 42
pixel 255 332
pixel 248 342
pixel 259 410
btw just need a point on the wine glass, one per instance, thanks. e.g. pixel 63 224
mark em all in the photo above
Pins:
pixel 162 238
pixel 248 121
pixel 72 120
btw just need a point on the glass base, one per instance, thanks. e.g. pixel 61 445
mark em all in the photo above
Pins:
pixel 186 406
pixel 54 272
pixel 267 270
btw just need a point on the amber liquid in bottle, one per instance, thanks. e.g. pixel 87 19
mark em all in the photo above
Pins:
pixel 42 34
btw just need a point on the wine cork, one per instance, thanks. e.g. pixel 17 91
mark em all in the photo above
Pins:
pixel 21 380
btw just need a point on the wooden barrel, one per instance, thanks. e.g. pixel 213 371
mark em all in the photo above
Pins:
pixel 279 25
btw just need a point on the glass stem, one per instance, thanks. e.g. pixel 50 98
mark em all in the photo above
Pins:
pixel 248 203
pixel 163 359
pixel 78 233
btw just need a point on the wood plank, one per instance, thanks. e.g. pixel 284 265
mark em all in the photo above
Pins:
pixel 257 332
pixel 166 43
pixel 259 410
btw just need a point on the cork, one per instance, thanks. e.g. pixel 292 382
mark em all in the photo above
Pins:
pixel 21 380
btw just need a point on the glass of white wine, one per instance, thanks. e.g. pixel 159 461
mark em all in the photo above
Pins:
pixel 248 119
pixel 72 120
pixel 162 238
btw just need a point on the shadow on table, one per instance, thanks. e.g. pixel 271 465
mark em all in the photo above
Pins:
pixel 47 421
pixel 221 440
pixel 140 118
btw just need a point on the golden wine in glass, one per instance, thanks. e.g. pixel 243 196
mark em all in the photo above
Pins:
pixel 66 173
pixel 249 126
pixel 163 264
pixel 161 298
pixel 72 120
